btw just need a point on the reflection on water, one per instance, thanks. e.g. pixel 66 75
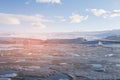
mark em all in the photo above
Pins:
pixel 9 48
pixel 118 65
pixel 8 74
pixel 113 45
pixel 97 65
pixel 58 76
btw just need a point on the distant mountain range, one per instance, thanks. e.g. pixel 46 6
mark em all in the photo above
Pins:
pixel 65 41
pixel 62 38
pixel 65 35
pixel 16 40
pixel 13 40
pixel 114 37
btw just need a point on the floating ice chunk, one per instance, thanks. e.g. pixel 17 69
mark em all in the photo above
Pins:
pixel 7 74
pixel 117 65
pixel 63 63
pixel 29 54
pixel 109 55
pixel 21 60
pixel 5 79
pixel 97 65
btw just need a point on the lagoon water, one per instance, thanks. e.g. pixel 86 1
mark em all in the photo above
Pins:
pixel 59 76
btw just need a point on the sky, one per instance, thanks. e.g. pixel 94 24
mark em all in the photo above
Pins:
pixel 41 16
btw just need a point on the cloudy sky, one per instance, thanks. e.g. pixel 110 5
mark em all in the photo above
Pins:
pixel 59 15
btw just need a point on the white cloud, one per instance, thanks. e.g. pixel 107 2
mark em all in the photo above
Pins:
pixel 105 13
pixel 76 18
pixel 38 25
pixel 8 19
pixel 31 18
pixel 114 13
pixel 98 12
pixel 48 1
pixel 15 19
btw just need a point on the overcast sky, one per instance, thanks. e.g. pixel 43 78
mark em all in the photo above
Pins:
pixel 59 15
